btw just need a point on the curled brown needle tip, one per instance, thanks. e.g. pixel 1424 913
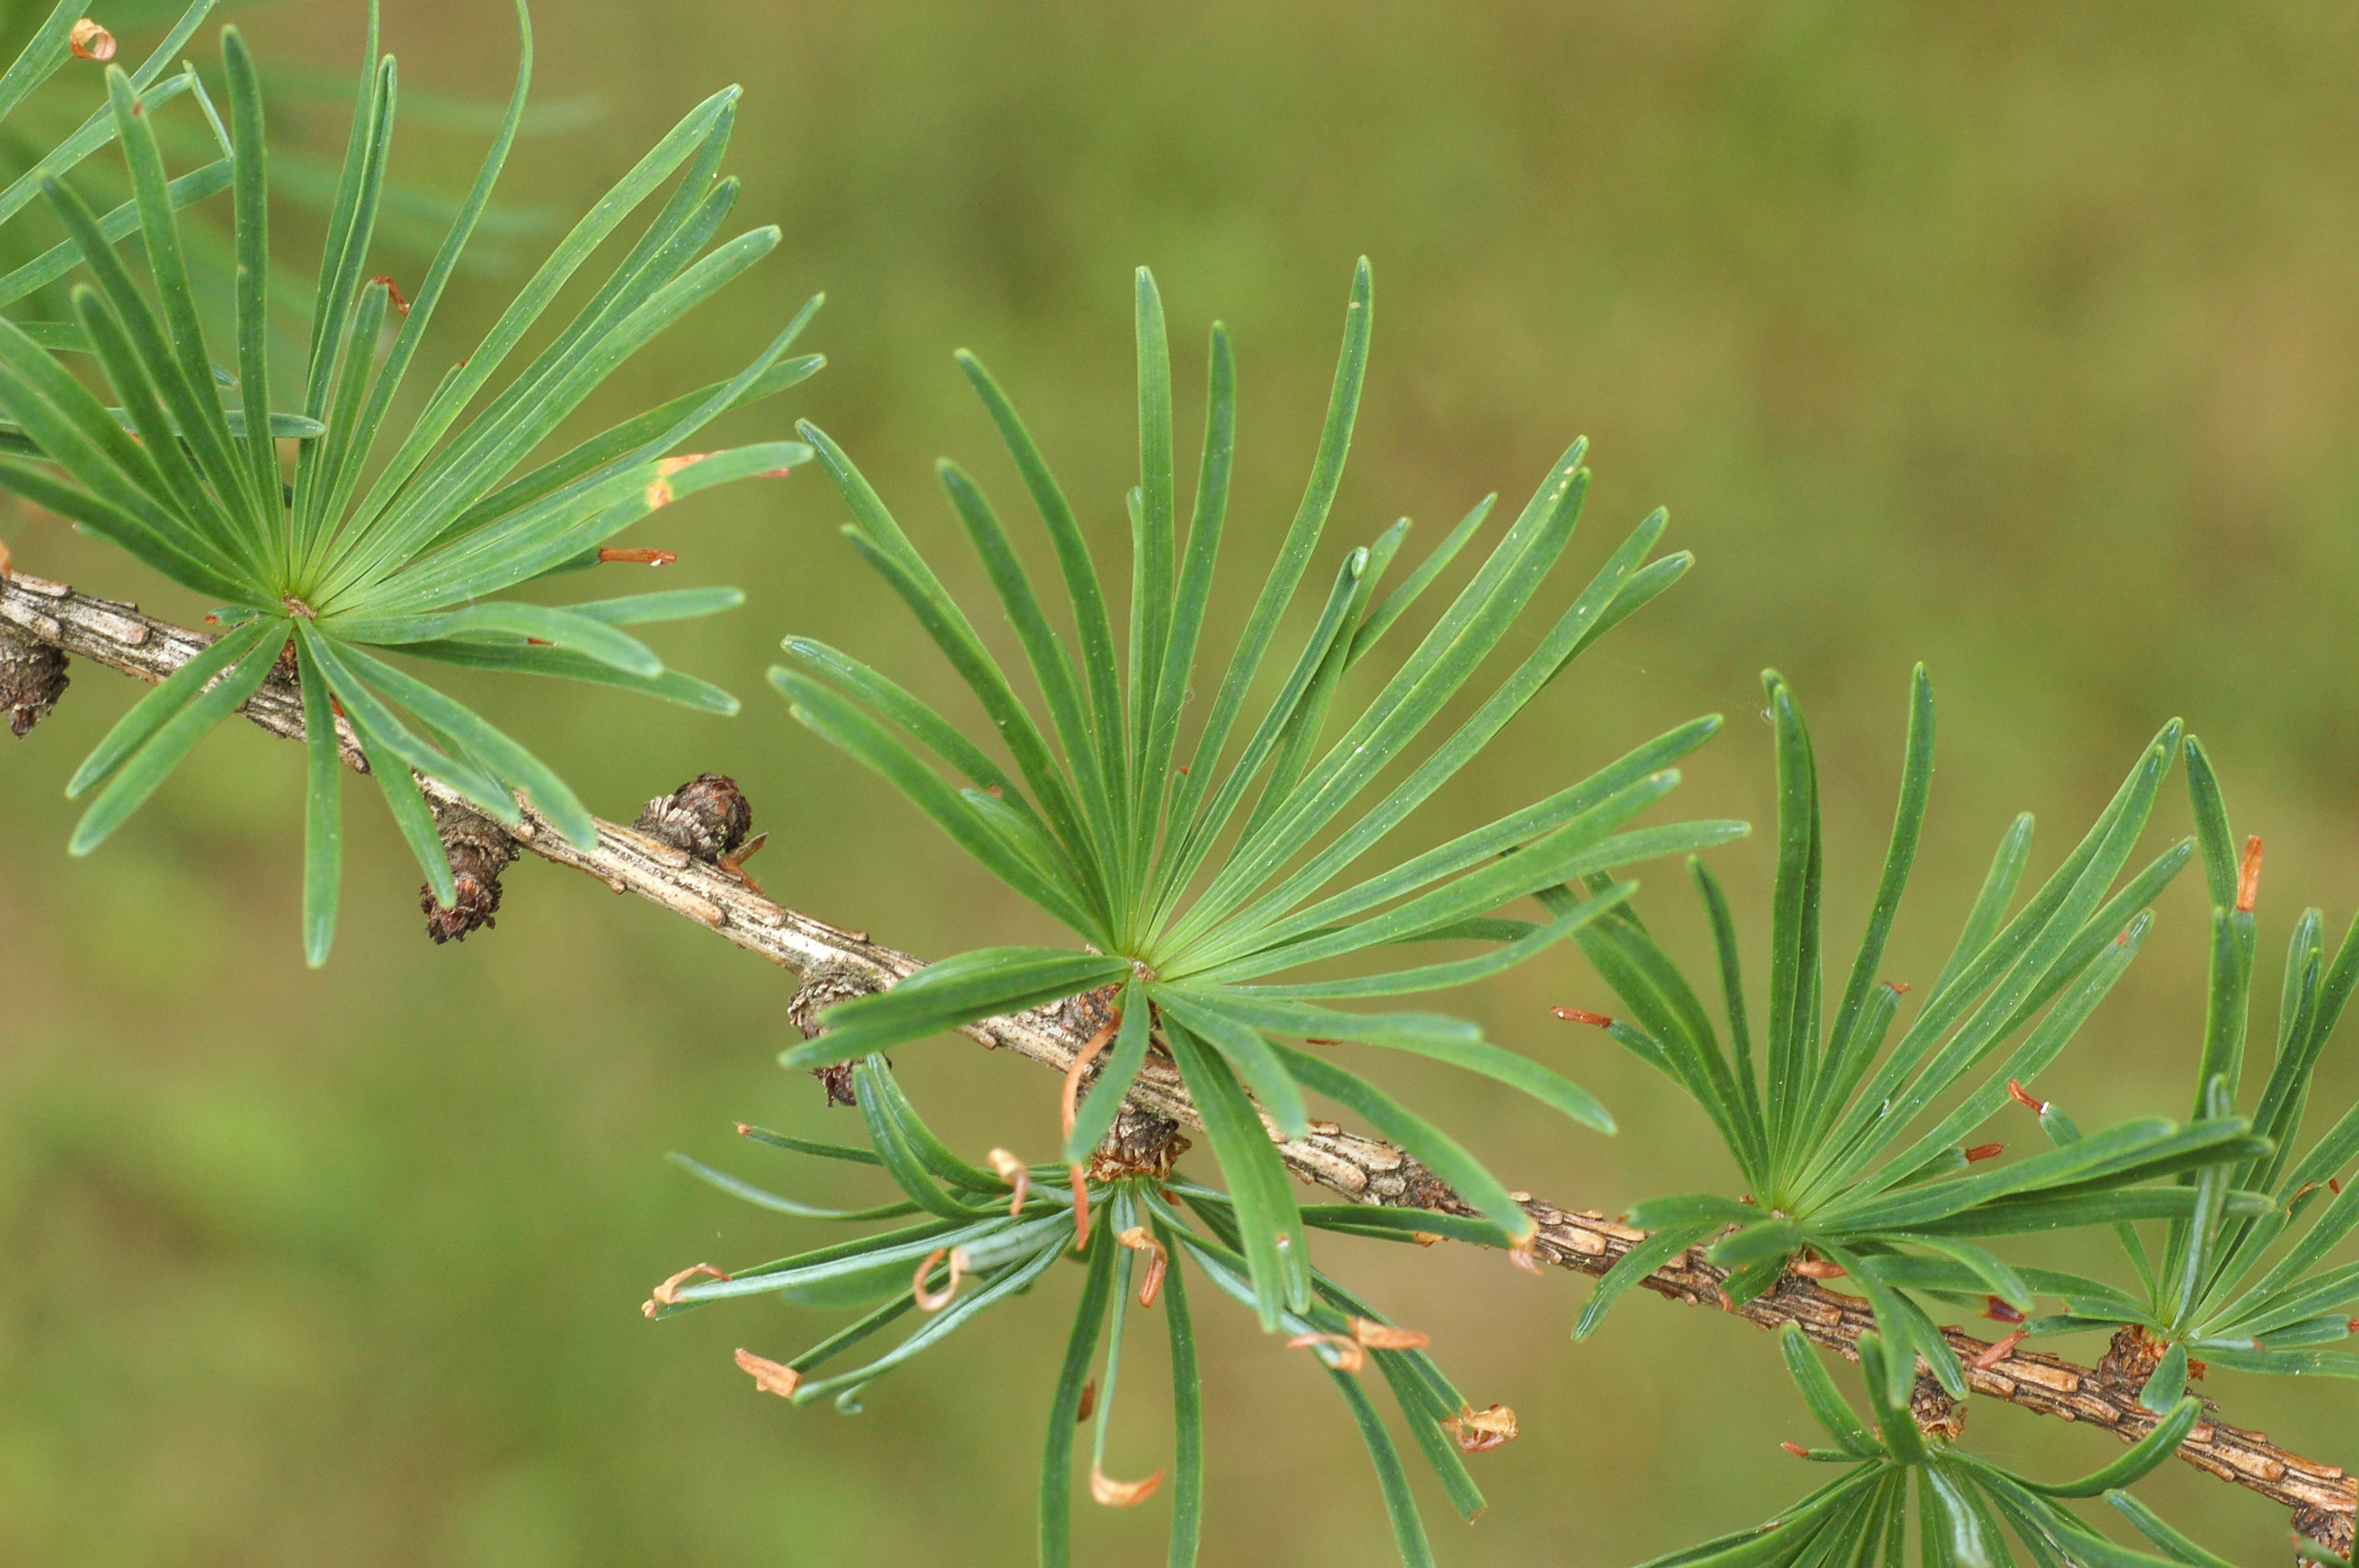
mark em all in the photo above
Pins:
pixel 770 1377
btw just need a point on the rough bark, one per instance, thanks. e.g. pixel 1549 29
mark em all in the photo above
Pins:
pixel 1365 1170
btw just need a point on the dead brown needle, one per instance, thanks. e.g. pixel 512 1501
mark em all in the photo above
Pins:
pixel 1384 1337
pixel 1068 1108
pixel 1999 1352
pixel 1081 1179
pixel 666 1293
pixel 1012 1170
pixel 393 297
pixel 734 864
pixel 659 491
pixel 770 1377
pixel 934 1301
pixel 1349 1356
pixel 1157 1261
pixel 1113 1494
pixel 1069 1105
pixel 1480 1430
pixel 90 41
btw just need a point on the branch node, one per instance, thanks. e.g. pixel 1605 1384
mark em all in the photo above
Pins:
pixel 1936 1414
pixel 2132 1356
pixel 32 678
pixel 823 987
pixel 1139 1143
pixel 2331 1530
pixel 709 816
pixel 478 850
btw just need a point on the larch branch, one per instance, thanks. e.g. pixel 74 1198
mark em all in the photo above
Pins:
pixel 1365 1170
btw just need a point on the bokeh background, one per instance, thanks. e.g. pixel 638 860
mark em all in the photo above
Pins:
pixel 2022 340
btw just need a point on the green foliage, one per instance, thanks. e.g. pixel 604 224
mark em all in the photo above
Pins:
pixel 336 570
pixel 1966 1507
pixel 36 260
pixel 2202 1297
pixel 1817 1131
pixel 1192 885
pixel 1006 1227
pixel 70 135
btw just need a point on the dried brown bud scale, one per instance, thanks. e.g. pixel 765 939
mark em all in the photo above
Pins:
pixel 1478 1431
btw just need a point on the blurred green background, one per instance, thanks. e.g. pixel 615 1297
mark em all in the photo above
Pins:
pixel 2023 339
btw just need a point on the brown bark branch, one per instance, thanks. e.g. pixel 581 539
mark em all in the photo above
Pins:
pixel 1365 1170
